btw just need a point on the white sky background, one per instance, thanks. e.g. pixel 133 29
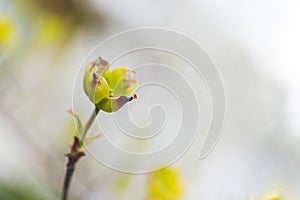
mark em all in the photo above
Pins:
pixel 271 29
pixel 268 29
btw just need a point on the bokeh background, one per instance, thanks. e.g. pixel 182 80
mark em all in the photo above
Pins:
pixel 255 45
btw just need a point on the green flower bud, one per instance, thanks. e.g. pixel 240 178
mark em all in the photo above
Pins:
pixel 108 90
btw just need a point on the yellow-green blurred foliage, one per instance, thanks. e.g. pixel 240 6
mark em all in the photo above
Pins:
pixel 45 23
pixel 165 184
pixel 22 192
pixel 122 184
pixel 7 31
pixel 273 195
pixel 52 30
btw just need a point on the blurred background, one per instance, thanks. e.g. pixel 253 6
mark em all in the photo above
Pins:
pixel 255 45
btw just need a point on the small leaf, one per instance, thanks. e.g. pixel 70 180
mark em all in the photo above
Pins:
pixel 89 140
pixel 78 121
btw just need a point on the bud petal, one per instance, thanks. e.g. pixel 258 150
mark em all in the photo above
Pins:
pixel 122 82
pixel 113 104
pixel 103 66
pixel 95 86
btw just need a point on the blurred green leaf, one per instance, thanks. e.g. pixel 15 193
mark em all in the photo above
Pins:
pixel 165 184
pixel 19 192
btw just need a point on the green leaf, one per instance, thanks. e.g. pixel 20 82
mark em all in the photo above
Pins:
pixel 89 140
pixel 78 121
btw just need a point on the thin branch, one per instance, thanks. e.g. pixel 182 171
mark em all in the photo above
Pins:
pixel 69 173
pixel 75 154
pixel 89 123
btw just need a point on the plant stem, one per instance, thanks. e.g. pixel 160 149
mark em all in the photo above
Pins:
pixel 74 155
pixel 89 123
pixel 68 176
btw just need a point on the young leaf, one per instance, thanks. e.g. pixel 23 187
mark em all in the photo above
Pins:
pixel 89 140
pixel 78 122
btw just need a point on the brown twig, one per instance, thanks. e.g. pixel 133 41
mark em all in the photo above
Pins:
pixel 75 154
pixel 73 157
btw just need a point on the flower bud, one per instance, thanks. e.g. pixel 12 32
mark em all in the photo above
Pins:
pixel 108 90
